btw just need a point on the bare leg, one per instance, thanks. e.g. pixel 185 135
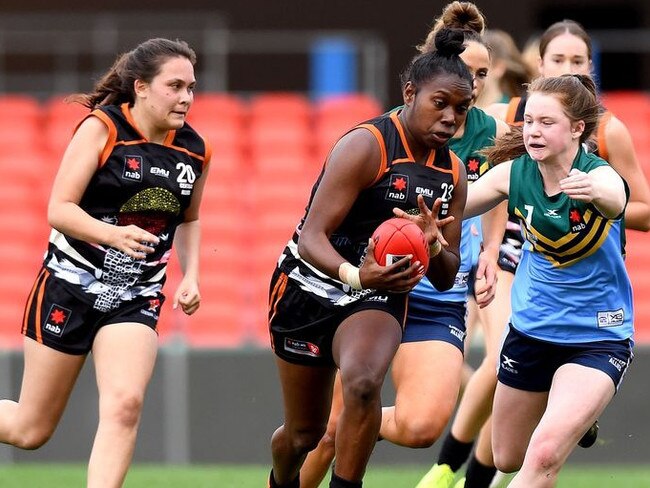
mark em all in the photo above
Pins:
pixel 363 347
pixel 48 379
pixel 578 396
pixel 427 379
pixel 307 395
pixel 124 356
pixel 318 461
pixel 476 404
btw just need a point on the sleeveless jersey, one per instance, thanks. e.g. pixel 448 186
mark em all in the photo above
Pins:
pixel 137 182
pixel 480 131
pixel 571 284
pixel 398 183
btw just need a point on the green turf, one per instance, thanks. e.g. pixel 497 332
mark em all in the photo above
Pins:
pixel 147 476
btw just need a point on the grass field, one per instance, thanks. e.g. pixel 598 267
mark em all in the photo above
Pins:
pixel 207 476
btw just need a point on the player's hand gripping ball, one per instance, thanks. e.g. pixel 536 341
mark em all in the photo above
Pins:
pixel 396 238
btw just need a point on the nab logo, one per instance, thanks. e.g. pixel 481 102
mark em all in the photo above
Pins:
pixel 57 319
pixel 473 169
pixel 132 168
pixel 576 220
pixel 154 304
pixel 398 188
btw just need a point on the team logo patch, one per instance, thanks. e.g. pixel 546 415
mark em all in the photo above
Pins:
pixel 398 188
pixel 456 332
pixel 303 348
pixel 611 318
pixel 132 168
pixel 473 169
pixel 154 304
pixel 552 213
pixel 576 220
pixel 619 364
pixel 153 309
pixel 509 364
pixel 56 320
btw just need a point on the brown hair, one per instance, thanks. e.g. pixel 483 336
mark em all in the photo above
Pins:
pixel 563 27
pixel 517 72
pixel 576 93
pixel 142 63
pixel 457 15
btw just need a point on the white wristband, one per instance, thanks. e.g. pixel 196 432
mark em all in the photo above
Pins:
pixel 434 249
pixel 349 274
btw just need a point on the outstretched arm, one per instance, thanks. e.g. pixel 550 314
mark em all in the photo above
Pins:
pixel 489 190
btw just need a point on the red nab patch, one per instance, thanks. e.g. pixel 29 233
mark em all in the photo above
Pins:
pixel 576 220
pixel 398 188
pixel 56 320
pixel 473 169
pixel 154 304
pixel 132 168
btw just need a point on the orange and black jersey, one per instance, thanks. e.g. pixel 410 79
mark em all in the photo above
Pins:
pixel 398 183
pixel 136 182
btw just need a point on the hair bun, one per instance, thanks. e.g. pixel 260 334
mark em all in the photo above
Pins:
pixel 449 42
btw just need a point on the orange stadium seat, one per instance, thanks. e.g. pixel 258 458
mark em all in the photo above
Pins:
pixel 334 116
pixel 20 265
pixel 638 267
pixel 21 123
pixel 223 136
pixel 61 119
pixel 354 108
pixel 274 167
pixel 281 106
pixel 19 107
pixel 220 118
pixel 279 137
pixel 218 106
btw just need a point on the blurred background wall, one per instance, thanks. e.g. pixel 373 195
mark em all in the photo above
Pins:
pixel 619 27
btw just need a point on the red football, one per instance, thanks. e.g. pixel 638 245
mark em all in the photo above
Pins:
pixel 396 238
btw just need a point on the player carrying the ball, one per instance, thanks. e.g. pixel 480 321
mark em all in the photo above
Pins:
pixel 331 304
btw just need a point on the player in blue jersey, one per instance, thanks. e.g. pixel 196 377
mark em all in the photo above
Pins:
pixel 570 335
pixel 564 48
pixel 130 179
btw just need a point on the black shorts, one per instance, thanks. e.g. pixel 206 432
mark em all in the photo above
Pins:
pixel 302 328
pixel 54 316
pixel 530 364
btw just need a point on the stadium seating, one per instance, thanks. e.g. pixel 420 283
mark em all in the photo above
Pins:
pixel 334 116
pixel 638 267
pixel 280 106
pixel 60 118
pixel 266 156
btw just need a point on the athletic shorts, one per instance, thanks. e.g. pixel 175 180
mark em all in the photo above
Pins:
pixel 433 320
pixel 530 364
pixel 54 316
pixel 510 249
pixel 302 328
